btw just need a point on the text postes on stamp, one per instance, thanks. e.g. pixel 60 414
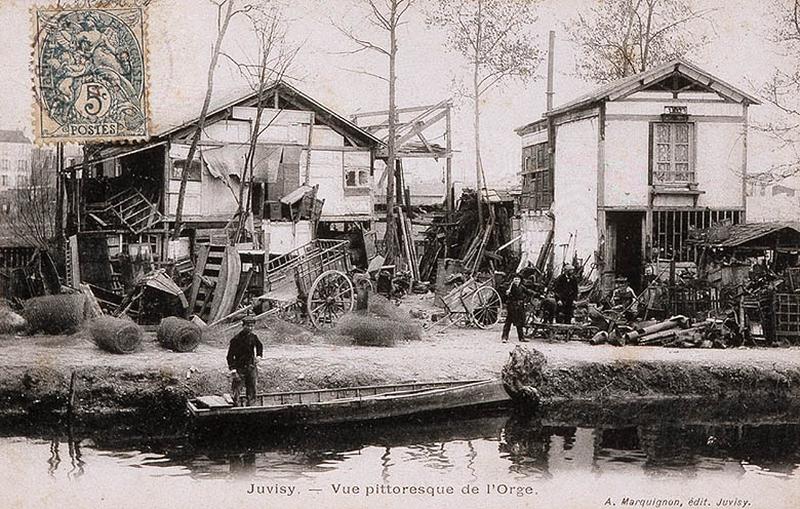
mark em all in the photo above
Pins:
pixel 90 75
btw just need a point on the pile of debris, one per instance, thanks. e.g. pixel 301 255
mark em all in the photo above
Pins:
pixel 677 331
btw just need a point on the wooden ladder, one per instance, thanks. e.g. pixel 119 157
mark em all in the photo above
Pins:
pixel 209 263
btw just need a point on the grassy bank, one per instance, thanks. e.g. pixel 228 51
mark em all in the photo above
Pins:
pixel 153 383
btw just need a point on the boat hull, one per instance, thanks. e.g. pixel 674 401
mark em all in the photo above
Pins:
pixel 356 409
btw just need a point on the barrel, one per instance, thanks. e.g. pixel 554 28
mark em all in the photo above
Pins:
pixel 115 335
pixel 178 334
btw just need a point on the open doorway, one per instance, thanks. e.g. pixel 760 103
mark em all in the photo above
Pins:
pixel 625 231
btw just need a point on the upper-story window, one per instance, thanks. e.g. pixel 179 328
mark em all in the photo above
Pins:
pixel 195 171
pixel 672 153
pixel 537 191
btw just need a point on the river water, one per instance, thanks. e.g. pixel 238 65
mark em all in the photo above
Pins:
pixel 484 460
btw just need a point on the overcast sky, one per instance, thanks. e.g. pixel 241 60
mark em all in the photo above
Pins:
pixel 182 32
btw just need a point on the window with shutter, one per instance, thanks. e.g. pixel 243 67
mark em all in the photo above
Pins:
pixel 672 153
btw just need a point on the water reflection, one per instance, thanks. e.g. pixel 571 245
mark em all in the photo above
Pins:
pixel 76 461
pixel 653 442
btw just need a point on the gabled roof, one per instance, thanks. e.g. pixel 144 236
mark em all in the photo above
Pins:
pixel 13 137
pixel 297 98
pixel 631 84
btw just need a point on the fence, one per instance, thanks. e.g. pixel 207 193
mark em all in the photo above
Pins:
pixel 692 302
pixel 787 317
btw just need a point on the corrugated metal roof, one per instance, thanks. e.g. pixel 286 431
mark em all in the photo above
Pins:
pixel 740 234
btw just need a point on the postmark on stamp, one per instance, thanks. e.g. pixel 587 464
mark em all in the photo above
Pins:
pixel 90 75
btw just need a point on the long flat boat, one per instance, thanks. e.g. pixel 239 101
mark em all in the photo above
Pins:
pixel 351 404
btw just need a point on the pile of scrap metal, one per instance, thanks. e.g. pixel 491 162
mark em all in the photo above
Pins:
pixel 477 247
pixel 33 277
pixel 677 331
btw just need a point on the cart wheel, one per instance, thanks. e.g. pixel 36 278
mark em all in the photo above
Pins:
pixel 363 282
pixel 331 297
pixel 486 305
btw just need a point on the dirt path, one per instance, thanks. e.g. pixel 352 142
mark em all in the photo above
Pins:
pixel 35 371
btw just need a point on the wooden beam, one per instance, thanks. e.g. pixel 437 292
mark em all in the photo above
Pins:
pixel 420 126
pixel 399 110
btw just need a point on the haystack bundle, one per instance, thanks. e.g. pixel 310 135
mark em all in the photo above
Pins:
pixel 178 334
pixel 115 335
pixel 54 314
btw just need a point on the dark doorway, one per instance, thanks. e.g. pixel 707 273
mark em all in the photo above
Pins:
pixel 626 230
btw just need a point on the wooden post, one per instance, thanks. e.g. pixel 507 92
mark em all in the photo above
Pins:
pixel 448 176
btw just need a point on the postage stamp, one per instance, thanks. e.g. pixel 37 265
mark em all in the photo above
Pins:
pixel 90 75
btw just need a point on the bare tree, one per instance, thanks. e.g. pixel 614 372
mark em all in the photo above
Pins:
pixel 225 12
pixel 492 35
pixel 33 207
pixel 782 92
pixel 273 60
pixel 619 38
pixel 387 17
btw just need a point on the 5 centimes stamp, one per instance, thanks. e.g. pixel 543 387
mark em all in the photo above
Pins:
pixel 90 74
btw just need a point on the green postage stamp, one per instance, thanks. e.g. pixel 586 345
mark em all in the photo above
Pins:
pixel 90 75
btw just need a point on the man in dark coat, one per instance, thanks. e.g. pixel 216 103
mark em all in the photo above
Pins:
pixel 242 352
pixel 566 289
pixel 516 294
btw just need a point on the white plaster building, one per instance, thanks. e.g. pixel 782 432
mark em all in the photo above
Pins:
pixel 629 169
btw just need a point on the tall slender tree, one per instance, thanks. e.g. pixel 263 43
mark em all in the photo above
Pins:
pixel 782 91
pixel 226 10
pixel 387 17
pixel 492 35
pixel 270 65
pixel 619 38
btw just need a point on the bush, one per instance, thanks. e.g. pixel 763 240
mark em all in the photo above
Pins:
pixel 368 329
pixel 11 322
pixel 54 314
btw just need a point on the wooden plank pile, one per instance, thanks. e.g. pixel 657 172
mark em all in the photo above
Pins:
pixel 677 331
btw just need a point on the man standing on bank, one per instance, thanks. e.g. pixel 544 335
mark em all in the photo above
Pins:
pixel 242 352
pixel 516 295
pixel 566 289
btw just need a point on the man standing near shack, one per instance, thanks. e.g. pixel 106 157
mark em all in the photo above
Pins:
pixel 516 294
pixel 566 289
pixel 242 352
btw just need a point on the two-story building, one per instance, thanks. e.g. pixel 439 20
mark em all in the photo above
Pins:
pixel 626 171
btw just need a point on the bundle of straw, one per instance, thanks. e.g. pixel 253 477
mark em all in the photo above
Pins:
pixel 54 314
pixel 178 334
pixel 115 335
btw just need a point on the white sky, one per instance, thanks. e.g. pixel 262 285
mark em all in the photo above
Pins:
pixel 182 32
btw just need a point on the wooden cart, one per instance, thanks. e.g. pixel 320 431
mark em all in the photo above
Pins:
pixel 313 282
pixel 473 303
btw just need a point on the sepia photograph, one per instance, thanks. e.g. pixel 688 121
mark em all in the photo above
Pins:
pixel 400 253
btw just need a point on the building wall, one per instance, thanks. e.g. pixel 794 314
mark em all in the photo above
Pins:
pixel 535 228
pixel 327 165
pixel 15 164
pixel 328 168
pixel 718 151
pixel 575 205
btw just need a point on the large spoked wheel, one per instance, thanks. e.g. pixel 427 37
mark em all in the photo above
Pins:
pixel 331 297
pixel 485 306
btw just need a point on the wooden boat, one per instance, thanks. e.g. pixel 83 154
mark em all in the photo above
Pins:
pixel 351 404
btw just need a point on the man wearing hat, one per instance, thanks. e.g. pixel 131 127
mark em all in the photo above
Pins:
pixel 242 352
pixel 566 289
pixel 515 308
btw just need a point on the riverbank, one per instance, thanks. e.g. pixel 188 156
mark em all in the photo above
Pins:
pixel 35 372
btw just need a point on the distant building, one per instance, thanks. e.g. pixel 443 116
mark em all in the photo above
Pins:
pixel 15 159
pixel 621 175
